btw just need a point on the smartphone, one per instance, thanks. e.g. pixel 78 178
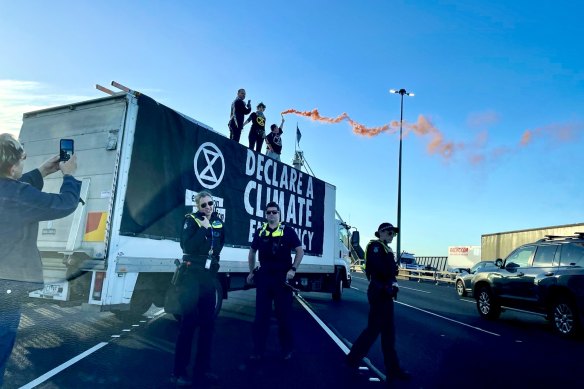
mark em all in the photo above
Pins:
pixel 66 149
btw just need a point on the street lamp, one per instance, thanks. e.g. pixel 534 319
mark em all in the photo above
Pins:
pixel 400 92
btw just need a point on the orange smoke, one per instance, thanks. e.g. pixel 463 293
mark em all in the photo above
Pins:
pixel 423 128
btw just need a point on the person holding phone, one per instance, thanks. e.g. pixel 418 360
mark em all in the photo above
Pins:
pixel 22 205
pixel 201 240
pixel 238 111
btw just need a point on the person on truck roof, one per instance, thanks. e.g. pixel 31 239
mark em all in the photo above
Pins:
pixel 257 132
pixel 274 141
pixel 274 241
pixel 202 239
pixel 238 110
pixel 22 205
pixel 381 271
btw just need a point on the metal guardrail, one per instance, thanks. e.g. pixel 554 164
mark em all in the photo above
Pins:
pixel 428 275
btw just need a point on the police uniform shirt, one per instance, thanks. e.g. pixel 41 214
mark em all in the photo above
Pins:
pixel 275 251
pixel 380 262
pixel 196 240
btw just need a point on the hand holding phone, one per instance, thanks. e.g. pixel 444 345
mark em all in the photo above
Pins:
pixel 69 167
pixel 66 149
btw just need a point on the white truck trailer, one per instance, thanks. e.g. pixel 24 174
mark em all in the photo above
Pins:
pixel 463 257
pixel 141 164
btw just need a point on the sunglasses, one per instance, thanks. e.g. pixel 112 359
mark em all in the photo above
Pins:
pixel 272 212
pixel 204 205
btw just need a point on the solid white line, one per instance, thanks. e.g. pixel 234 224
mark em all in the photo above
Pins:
pixel 447 318
pixel 62 367
pixel 334 337
pixel 416 290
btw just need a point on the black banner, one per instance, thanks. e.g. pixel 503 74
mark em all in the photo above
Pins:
pixel 173 158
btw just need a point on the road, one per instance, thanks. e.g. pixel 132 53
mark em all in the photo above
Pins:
pixel 441 340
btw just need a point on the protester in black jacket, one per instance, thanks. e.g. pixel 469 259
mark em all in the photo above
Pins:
pixel 238 110
pixel 202 240
pixel 22 206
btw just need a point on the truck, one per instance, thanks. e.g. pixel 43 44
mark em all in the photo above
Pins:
pixel 141 164
pixel 463 257
pixel 500 244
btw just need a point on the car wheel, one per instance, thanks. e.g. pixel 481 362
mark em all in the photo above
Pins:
pixel 460 290
pixel 487 306
pixel 564 317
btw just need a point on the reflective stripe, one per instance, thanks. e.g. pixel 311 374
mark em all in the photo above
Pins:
pixel 278 232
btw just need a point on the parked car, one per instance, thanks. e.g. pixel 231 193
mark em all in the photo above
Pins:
pixel 545 277
pixel 463 280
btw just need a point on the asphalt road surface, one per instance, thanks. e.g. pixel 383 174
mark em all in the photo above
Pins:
pixel 441 340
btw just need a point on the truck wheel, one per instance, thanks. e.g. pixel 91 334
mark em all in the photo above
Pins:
pixel 487 306
pixel 564 317
pixel 139 305
pixel 338 287
pixel 218 297
pixel 460 290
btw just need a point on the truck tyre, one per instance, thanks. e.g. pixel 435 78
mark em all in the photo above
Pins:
pixel 486 304
pixel 139 305
pixel 338 286
pixel 218 296
pixel 564 317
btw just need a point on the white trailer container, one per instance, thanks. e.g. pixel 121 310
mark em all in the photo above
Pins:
pixel 463 257
pixel 141 164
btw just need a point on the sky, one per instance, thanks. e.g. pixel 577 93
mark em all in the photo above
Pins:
pixel 492 137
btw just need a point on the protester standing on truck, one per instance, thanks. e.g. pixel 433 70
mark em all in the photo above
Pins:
pixel 22 206
pixel 201 240
pixel 257 132
pixel 381 271
pixel 238 110
pixel 275 241
pixel 274 141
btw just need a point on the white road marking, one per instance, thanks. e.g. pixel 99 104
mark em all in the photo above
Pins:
pixel 334 337
pixel 416 290
pixel 447 318
pixel 63 366
pixel 79 357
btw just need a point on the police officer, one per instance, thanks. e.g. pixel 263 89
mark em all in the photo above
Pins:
pixel 381 271
pixel 202 239
pixel 274 241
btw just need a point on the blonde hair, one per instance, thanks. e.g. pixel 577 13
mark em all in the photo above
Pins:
pixel 10 152
pixel 200 195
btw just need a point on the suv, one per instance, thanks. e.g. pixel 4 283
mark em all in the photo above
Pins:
pixel 545 277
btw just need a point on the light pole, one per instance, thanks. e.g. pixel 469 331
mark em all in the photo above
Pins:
pixel 400 92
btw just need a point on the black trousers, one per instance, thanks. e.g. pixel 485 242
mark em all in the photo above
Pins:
pixel 235 130
pixel 255 141
pixel 270 287
pixel 381 312
pixel 198 311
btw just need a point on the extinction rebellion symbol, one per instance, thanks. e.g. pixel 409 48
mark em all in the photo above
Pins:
pixel 209 165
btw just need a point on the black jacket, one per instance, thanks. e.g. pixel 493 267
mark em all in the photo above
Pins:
pixel 380 263
pixel 238 111
pixel 196 241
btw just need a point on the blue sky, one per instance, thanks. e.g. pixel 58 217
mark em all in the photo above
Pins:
pixel 482 72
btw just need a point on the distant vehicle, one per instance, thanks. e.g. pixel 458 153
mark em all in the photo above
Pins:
pixel 545 277
pixel 463 279
pixel 463 257
pixel 408 261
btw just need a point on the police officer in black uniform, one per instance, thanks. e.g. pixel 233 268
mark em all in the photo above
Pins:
pixel 381 270
pixel 274 241
pixel 202 239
